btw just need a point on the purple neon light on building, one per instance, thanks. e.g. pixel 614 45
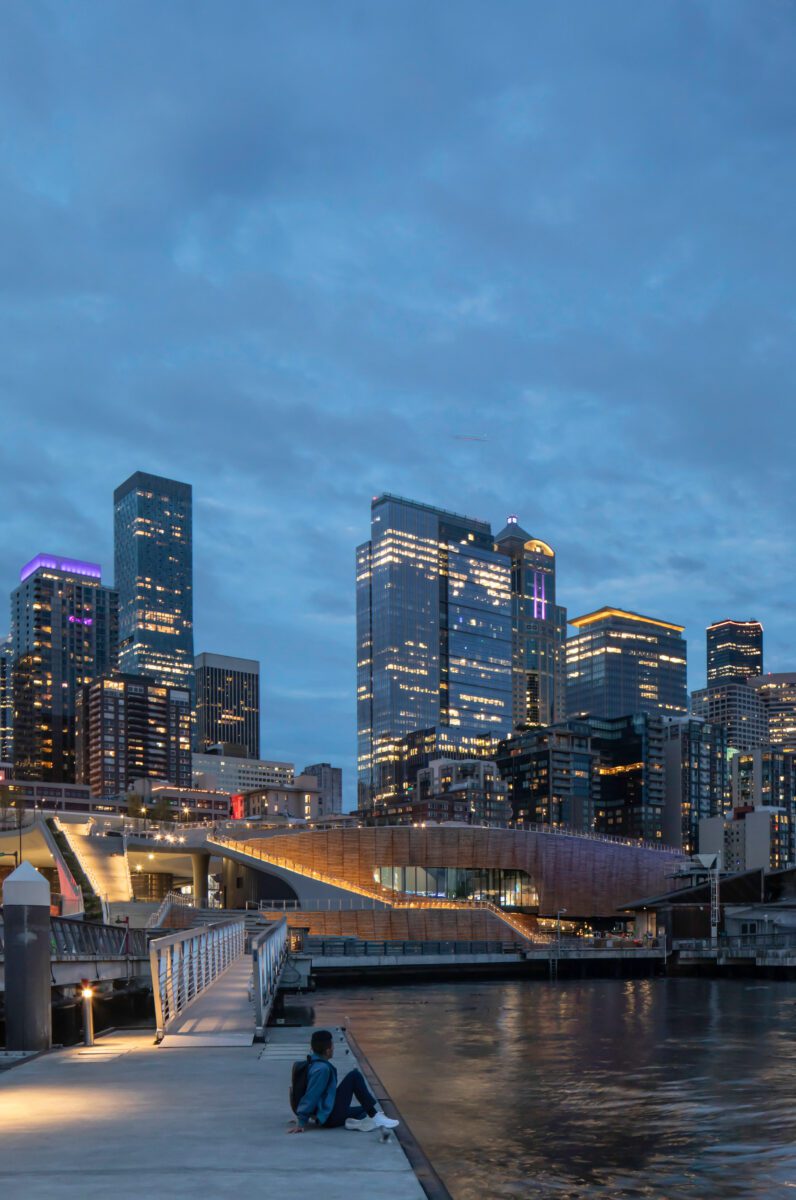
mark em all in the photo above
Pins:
pixel 539 597
pixel 73 566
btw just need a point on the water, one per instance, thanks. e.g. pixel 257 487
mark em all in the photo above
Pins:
pixel 602 1088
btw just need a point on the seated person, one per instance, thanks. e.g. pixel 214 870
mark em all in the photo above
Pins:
pixel 329 1102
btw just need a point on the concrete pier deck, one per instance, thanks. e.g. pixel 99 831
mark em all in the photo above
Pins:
pixel 128 1119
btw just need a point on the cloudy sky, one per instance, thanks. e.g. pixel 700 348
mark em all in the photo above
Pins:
pixel 292 253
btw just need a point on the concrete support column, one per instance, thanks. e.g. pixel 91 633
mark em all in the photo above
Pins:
pixel 26 912
pixel 201 869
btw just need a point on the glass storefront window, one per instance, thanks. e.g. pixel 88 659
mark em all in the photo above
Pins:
pixel 507 889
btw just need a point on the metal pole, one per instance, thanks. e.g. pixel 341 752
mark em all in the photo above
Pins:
pixel 26 910
pixel 87 993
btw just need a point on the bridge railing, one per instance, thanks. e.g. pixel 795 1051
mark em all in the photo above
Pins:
pixel 269 951
pixel 85 939
pixel 184 964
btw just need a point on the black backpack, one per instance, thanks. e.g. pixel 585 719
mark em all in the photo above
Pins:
pixel 298 1080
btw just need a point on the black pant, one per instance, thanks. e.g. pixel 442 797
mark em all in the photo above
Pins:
pixel 353 1085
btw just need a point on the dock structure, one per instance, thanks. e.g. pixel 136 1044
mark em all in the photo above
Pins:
pixel 197 1115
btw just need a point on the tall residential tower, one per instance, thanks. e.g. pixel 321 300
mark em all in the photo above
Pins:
pixel 153 552
pixel 64 632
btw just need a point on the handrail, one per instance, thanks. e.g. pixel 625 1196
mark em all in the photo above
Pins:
pixel 269 951
pixel 184 964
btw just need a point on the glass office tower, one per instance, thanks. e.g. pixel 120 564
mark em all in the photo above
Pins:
pixel 64 633
pixel 735 651
pixel 228 702
pixel 433 633
pixel 620 663
pixel 539 630
pixel 153 552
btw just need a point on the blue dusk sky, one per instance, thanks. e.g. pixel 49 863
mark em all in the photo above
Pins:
pixel 295 254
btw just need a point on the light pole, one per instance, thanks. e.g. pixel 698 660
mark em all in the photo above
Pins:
pixel 559 915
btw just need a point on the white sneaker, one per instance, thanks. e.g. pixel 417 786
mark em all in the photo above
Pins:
pixel 366 1124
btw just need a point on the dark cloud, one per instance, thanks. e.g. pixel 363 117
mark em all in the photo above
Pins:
pixel 289 253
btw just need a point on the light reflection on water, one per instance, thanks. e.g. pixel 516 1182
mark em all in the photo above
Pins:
pixel 599 1088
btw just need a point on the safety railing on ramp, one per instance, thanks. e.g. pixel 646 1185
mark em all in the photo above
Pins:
pixel 185 964
pixel 269 951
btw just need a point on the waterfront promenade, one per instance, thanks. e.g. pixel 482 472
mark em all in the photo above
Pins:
pixel 128 1119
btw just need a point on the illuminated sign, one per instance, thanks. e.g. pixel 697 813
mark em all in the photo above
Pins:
pixel 81 620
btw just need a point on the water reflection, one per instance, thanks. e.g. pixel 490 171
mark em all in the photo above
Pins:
pixel 603 1088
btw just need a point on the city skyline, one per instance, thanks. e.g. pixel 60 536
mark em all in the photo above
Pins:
pixel 298 741
pixel 498 267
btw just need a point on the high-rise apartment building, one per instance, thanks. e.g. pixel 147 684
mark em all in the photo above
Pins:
pixel 153 553
pixel 129 728
pixel 632 776
pixel 6 700
pixel 778 693
pixel 734 651
pixel 330 784
pixel 64 633
pixel 433 633
pixel 620 662
pixel 697 769
pixel 227 702
pixel 553 776
pixel 538 629
pixel 738 708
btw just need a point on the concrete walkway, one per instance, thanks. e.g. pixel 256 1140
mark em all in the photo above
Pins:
pixel 129 1120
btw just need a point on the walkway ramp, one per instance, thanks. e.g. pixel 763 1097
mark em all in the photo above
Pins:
pixel 103 860
pixel 223 1015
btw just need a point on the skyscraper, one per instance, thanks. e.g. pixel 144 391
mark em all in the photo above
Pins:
pixel 738 708
pixel 734 651
pixel 129 728
pixel 620 663
pixel 6 700
pixel 433 632
pixel 697 779
pixel 64 633
pixel 153 553
pixel 227 702
pixel 778 693
pixel 538 628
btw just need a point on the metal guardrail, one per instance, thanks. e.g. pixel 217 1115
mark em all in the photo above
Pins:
pixel 184 964
pixel 356 948
pixel 71 939
pixel 269 951
pixel 739 944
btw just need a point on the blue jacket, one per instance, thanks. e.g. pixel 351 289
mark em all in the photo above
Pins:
pixel 318 1100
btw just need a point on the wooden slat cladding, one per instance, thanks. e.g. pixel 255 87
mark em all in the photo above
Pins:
pixel 403 925
pixel 589 878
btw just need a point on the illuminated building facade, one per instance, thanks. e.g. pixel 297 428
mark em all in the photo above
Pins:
pixel 129 728
pixel 632 791
pixel 766 778
pixel 433 634
pixel 6 701
pixel 734 651
pixel 552 775
pixel 153 553
pixel 224 771
pixel 697 769
pixel 738 708
pixel 64 633
pixel 778 693
pixel 620 662
pixel 227 702
pixel 538 629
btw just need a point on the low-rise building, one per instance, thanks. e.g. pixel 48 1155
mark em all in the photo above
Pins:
pixel 330 782
pixel 301 799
